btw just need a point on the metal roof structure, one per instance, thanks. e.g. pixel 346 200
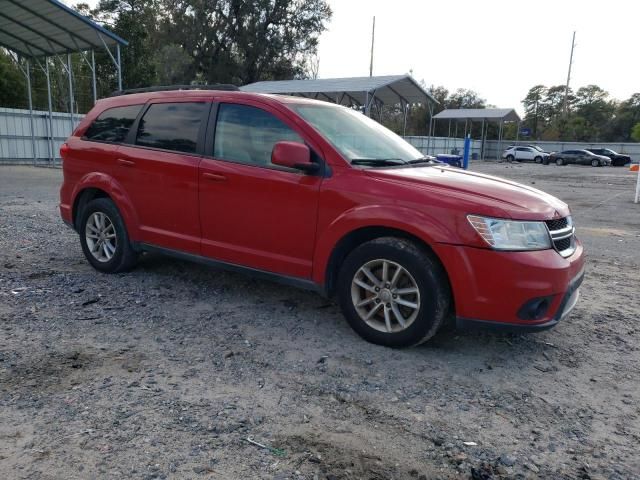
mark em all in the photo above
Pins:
pixel 479 114
pixel 388 89
pixel 362 92
pixel 36 28
pixel 38 32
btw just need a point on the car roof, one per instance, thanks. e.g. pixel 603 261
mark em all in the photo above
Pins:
pixel 141 98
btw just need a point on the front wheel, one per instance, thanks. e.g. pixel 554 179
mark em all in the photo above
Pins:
pixel 393 293
pixel 559 162
pixel 595 163
pixel 538 159
pixel 510 158
pixel 104 239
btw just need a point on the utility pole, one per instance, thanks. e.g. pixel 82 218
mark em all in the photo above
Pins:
pixel 373 35
pixel 565 106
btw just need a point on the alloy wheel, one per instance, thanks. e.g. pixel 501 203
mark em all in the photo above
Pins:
pixel 385 296
pixel 100 234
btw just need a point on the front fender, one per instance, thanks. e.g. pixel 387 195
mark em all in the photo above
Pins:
pixel 417 223
pixel 117 193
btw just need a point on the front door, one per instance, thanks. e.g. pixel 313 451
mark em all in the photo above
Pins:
pixel 254 213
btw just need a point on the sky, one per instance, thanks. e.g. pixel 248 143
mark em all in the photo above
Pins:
pixel 499 48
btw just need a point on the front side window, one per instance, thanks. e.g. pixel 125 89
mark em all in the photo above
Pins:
pixel 355 135
pixel 113 124
pixel 247 134
pixel 172 126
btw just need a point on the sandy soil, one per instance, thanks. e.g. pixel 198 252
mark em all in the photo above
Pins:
pixel 165 372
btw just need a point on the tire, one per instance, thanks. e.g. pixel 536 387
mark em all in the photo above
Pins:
pixel 510 158
pixel 423 310
pixel 595 163
pixel 538 159
pixel 559 162
pixel 105 241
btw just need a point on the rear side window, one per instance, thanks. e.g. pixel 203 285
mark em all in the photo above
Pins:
pixel 113 124
pixel 172 126
pixel 247 134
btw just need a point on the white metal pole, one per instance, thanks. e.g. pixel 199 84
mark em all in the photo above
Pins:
pixel 51 151
pixel 33 138
pixel 637 186
pixel 119 67
pixel 70 73
pixel 93 77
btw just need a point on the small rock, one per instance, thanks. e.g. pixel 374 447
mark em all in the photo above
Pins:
pixel 532 467
pixel 507 460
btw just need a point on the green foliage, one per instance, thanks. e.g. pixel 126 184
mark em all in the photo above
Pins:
pixel 590 116
pixel 635 132
pixel 12 84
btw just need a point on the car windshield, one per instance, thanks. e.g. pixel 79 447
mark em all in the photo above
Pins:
pixel 537 148
pixel 360 140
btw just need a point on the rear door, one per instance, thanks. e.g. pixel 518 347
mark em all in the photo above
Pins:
pixel 158 168
pixel 524 153
pixel 254 213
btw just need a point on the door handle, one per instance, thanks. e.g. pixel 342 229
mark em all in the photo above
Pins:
pixel 214 177
pixel 126 163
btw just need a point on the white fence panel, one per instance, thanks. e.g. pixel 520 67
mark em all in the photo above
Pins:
pixel 16 144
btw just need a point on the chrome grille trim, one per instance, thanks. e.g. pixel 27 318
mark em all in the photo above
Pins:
pixel 559 236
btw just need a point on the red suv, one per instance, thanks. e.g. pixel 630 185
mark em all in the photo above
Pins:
pixel 318 196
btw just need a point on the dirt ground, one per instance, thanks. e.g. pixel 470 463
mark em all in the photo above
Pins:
pixel 165 372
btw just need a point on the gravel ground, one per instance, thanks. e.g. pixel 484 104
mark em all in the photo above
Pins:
pixel 165 372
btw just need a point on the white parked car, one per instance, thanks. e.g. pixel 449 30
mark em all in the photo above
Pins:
pixel 524 154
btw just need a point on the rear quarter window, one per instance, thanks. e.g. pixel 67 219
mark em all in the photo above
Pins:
pixel 113 124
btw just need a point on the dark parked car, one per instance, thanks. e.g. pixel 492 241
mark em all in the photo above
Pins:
pixel 617 159
pixel 581 157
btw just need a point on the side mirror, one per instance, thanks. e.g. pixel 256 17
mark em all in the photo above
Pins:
pixel 293 155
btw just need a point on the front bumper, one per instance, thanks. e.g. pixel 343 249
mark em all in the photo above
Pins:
pixel 491 288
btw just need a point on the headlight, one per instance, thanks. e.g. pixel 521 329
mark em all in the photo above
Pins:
pixel 511 234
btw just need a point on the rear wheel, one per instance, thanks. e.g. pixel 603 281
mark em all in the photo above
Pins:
pixel 559 162
pixel 104 239
pixel 595 163
pixel 393 293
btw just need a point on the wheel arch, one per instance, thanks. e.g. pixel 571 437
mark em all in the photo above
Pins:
pixel 357 237
pixel 99 185
pixel 82 198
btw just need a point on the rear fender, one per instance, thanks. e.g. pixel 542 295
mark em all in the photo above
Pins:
pixel 115 191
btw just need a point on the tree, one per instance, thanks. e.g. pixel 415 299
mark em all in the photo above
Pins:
pixel 13 92
pixel 464 98
pixel 534 108
pixel 243 41
pixel 635 132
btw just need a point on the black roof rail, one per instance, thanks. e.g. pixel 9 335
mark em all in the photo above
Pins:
pixel 165 88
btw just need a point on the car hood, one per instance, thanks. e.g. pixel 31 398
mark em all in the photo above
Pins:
pixel 489 193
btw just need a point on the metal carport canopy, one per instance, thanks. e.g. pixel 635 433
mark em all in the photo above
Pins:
pixel 479 114
pixel 388 89
pixel 36 28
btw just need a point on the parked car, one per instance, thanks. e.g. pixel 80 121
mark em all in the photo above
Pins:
pixel 318 196
pixel 580 157
pixel 617 159
pixel 524 154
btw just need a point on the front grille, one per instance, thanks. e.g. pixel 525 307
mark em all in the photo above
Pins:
pixel 563 235
pixel 557 224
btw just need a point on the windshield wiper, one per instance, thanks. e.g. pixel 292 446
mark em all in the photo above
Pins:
pixel 377 162
pixel 429 160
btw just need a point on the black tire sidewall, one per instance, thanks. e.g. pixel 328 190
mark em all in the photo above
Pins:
pixel 429 278
pixel 107 207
